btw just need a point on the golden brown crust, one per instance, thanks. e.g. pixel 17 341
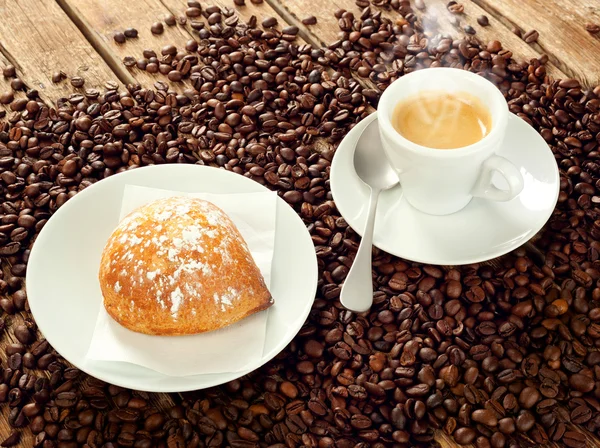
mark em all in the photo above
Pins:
pixel 179 266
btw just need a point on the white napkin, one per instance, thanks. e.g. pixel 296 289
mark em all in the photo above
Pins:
pixel 230 349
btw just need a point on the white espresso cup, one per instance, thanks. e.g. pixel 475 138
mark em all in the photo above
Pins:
pixel 439 181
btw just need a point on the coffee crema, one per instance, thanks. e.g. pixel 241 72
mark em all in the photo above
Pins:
pixel 442 120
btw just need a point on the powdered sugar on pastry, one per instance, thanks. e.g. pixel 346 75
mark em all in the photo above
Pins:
pixel 180 254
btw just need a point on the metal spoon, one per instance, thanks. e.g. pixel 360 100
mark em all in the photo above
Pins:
pixel 372 167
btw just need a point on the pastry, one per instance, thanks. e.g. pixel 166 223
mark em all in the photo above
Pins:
pixel 179 266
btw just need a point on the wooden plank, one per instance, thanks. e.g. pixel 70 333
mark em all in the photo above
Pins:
pixel 496 30
pixel 5 87
pixel 46 42
pixel 99 21
pixel 561 25
pixel 326 29
pixel 39 45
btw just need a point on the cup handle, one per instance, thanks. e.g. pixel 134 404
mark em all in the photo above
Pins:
pixel 484 187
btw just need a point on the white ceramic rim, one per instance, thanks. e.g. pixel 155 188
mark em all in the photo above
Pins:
pixel 267 356
pixel 387 103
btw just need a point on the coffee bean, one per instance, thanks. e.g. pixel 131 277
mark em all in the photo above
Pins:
pixel 528 397
pixel 269 22
pixel 66 399
pixel 581 383
pixel 12 440
pixel 23 334
pixel 464 436
pixel 77 81
pixel 195 11
pixel 9 71
pixel 6 98
pixel 531 36
pixel 507 425
pixel 119 37
pixel 175 76
pixel 130 33
pixel 289 389
pixel 581 415
pixel 525 421
pixel 485 417
pixel 17 84
pixel 573 439
pixel 309 20
pixel 214 18
pixel 157 28
pixel 483 20
pixel 191 45
pixel 129 61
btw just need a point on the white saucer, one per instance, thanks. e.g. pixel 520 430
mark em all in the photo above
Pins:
pixel 62 273
pixel 481 231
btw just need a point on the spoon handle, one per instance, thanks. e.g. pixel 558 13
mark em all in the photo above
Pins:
pixel 357 290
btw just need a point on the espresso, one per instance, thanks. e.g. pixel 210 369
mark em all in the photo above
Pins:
pixel 442 120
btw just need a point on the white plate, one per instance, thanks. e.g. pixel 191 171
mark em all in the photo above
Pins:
pixel 65 259
pixel 481 231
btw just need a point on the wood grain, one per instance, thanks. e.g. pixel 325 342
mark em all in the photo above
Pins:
pixel 561 25
pixel 46 41
pixel 39 39
pixel 326 29
pixel 5 84
pixel 99 20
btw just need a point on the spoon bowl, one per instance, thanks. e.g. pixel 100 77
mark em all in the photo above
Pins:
pixel 371 163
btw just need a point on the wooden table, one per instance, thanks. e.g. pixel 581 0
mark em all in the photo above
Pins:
pixel 41 37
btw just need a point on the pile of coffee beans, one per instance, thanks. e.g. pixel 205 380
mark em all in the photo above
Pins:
pixel 501 354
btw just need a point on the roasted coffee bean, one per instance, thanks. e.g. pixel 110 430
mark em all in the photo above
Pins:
pixel 592 28
pixel 66 399
pixel 528 397
pixel 581 383
pixel 309 20
pixel 77 81
pixel 485 417
pixel 525 421
pixel 6 98
pixel 483 20
pixel 17 84
pixel 574 439
pixel 12 440
pixel 119 37
pixel 157 28
pixel 23 334
pixel 129 61
pixel 9 71
pixel 130 33
pixel 531 36
pixel 581 415
pixel 269 22
pixel 464 436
